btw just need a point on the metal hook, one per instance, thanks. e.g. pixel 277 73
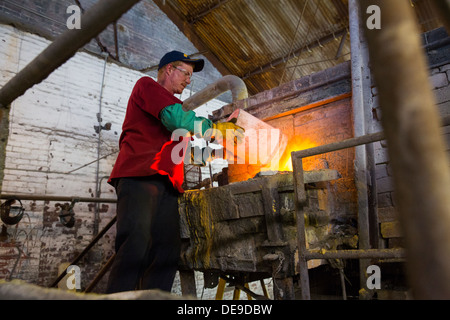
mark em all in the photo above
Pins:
pixel 67 211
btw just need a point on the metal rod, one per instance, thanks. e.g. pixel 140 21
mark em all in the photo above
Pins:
pixel 86 250
pixel 93 21
pixel 348 143
pixel 341 46
pixel 300 198
pixel 99 146
pixel 362 115
pixel 343 288
pixel 357 254
pixel 55 198
pixel 240 287
pixel 100 274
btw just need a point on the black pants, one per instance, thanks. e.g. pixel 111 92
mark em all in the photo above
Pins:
pixel 148 235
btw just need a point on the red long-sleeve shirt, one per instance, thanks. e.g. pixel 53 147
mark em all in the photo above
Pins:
pixel 145 144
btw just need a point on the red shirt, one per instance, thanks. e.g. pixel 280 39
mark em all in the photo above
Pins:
pixel 145 144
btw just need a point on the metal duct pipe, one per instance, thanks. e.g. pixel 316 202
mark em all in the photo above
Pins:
pixel 44 197
pixel 93 21
pixel 362 116
pixel 233 83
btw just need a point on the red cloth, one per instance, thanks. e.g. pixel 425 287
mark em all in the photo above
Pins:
pixel 145 144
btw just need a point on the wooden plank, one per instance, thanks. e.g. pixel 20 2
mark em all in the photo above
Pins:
pixel 220 289
pixel 284 181
pixel 271 203
pixel 187 279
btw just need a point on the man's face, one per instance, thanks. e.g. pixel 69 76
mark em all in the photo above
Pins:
pixel 180 77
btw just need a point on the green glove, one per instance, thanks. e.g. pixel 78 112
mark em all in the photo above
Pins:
pixel 174 117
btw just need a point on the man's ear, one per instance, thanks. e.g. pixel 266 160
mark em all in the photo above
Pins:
pixel 169 69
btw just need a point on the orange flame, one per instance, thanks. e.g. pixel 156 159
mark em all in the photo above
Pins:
pixel 294 144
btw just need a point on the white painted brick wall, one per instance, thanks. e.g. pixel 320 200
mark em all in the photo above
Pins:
pixel 51 133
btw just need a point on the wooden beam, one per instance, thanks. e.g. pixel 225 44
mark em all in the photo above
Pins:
pixel 309 106
pixel 188 30
pixel 208 11
pixel 416 147
pixel 95 20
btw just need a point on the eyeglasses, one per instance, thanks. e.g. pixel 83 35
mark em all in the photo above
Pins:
pixel 186 73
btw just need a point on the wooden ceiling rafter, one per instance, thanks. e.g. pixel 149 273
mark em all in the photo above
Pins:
pixel 313 44
pixel 255 39
pixel 198 16
pixel 190 33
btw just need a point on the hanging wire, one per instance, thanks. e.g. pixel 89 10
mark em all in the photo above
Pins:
pixel 293 40
pixel 307 37
pixel 318 61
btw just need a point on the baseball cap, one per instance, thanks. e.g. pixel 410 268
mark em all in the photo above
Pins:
pixel 180 56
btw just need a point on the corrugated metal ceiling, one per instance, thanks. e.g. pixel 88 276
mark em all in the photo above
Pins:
pixel 270 42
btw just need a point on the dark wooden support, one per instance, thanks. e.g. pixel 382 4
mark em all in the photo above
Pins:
pixel 95 20
pixel 300 193
pixel 187 279
pixel 417 150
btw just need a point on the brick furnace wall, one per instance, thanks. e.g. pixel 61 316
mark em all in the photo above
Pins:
pixel 311 111
pixel 317 110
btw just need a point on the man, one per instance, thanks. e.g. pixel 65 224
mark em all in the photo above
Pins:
pixel 148 181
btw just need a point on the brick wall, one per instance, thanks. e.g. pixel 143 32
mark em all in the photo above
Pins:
pixel 439 77
pixel 52 150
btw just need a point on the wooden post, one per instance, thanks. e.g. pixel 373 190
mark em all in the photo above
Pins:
pixel 220 289
pixel 416 147
pixel 187 279
pixel 300 198
pixel 4 133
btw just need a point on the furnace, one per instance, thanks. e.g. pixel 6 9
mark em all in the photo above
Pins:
pixel 248 229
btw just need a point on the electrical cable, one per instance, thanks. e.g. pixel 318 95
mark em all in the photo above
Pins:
pixel 293 40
